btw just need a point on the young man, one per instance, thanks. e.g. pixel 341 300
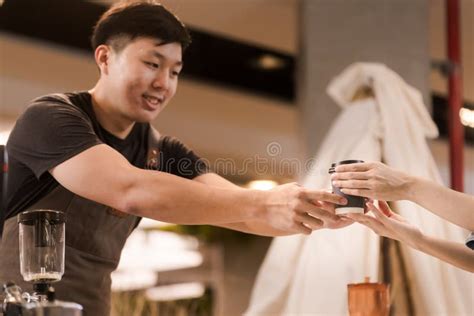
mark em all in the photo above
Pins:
pixel 89 154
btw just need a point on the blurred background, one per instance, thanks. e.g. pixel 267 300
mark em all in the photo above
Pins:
pixel 253 86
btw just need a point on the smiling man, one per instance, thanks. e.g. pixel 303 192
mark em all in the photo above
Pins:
pixel 95 156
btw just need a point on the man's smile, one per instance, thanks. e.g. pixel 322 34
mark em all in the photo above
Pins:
pixel 153 102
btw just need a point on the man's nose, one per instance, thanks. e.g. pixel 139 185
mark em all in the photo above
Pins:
pixel 162 80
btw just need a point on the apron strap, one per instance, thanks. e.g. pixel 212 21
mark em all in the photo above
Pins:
pixel 153 149
pixel 3 186
pixel 152 158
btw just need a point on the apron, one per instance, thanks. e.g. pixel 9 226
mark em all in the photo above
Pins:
pixel 95 236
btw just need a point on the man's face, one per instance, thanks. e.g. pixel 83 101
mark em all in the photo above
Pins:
pixel 143 77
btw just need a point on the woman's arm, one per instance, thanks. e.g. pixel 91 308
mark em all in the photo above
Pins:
pixel 378 181
pixel 389 224
pixel 451 205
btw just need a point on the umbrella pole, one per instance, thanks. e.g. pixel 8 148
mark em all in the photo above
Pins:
pixel 456 129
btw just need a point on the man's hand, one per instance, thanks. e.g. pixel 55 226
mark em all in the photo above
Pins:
pixel 373 180
pixel 295 209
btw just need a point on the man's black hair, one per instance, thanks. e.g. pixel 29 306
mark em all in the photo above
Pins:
pixel 126 21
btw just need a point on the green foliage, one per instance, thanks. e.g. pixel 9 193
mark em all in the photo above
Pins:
pixel 134 303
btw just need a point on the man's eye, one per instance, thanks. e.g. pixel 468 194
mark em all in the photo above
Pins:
pixel 175 73
pixel 152 65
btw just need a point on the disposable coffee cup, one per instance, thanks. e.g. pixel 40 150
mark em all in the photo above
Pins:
pixel 355 204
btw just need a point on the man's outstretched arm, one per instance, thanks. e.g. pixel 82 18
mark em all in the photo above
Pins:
pixel 326 212
pixel 103 175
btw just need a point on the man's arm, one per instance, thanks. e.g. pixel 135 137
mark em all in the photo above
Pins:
pixel 262 228
pixel 103 175
pixel 251 226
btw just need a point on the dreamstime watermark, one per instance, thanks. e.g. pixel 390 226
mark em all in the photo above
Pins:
pixel 274 149
pixel 271 164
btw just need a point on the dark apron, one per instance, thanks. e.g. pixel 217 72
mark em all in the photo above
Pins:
pixel 95 236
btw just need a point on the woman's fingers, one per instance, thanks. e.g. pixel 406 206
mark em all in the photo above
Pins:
pixel 361 175
pixel 385 208
pixel 378 213
pixel 386 214
pixel 352 184
pixel 358 167
pixel 366 220
pixel 371 222
pixel 358 192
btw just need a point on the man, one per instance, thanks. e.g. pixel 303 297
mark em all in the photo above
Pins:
pixel 89 154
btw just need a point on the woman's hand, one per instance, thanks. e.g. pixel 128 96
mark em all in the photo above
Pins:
pixel 373 180
pixel 386 223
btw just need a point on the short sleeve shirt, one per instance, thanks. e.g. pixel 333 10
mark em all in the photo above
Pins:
pixel 57 127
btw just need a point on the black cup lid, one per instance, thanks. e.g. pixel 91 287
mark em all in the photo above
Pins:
pixel 29 217
pixel 343 162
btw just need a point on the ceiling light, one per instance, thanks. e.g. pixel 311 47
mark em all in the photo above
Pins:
pixel 270 62
pixel 262 185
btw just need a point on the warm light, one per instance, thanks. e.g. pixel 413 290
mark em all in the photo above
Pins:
pixel 467 117
pixel 270 62
pixel 4 136
pixel 175 292
pixel 263 185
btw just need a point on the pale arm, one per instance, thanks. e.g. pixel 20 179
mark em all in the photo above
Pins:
pixel 378 181
pixel 454 253
pixel 451 205
pixel 389 224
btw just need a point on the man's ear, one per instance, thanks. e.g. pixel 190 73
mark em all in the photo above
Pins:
pixel 102 57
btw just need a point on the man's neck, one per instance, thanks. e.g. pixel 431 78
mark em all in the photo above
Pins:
pixel 111 120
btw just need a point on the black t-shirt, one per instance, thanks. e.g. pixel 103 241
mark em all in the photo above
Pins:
pixel 57 127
